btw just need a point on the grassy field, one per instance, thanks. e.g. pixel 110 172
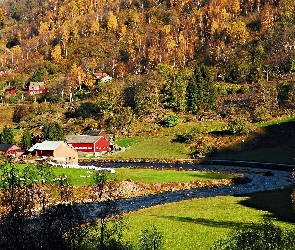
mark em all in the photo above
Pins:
pixel 80 177
pixel 197 224
pixel 271 141
pixel 151 176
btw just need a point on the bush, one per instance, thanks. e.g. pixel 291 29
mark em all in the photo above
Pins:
pixel 238 125
pixel 189 137
pixel 261 114
pixel 262 236
pixel 151 239
pixel 171 121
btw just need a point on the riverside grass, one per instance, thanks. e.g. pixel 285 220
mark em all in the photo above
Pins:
pixel 80 177
pixel 199 223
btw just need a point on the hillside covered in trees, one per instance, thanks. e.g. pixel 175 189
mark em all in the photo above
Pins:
pixel 210 58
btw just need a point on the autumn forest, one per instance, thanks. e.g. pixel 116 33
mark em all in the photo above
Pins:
pixel 209 58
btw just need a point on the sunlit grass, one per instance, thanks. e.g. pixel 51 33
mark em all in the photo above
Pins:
pixel 197 224
pixel 151 176
pixel 80 177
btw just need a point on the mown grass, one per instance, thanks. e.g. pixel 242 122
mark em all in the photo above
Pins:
pixel 80 177
pixel 198 223
pixel 152 176
pixel 154 147
pixel 274 122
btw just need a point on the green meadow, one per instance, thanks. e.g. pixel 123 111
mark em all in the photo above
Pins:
pixel 197 224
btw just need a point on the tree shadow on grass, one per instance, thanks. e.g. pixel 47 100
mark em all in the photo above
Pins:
pixel 277 202
pixel 207 222
pixel 276 136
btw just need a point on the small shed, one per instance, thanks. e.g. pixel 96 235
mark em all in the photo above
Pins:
pixel 58 150
pixel 11 150
pixel 88 144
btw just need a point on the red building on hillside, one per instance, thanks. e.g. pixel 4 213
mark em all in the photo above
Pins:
pixel 88 144
pixel 37 88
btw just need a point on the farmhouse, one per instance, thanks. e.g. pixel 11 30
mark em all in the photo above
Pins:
pixel 37 88
pixel 58 150
pixel 11 150
pixel 88 144
pixel 101 77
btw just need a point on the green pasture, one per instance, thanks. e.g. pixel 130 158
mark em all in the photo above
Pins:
pixel 152 176
pixel 198 223
pixel 164 146
pixel 155 147
pixel 80 177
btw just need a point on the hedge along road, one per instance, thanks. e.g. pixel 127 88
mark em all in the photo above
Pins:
pixel 262 179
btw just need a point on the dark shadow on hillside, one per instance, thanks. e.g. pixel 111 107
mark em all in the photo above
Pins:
pixel 206 222
pixel 278 136
pixel 277 202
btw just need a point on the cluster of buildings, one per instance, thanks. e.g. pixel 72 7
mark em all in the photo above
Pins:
pixel 35 88
pixel 65 152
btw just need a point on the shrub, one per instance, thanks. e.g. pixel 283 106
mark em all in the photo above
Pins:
pixel 263 235
pixel 243 90
pixel 261 114
pixel 238 125
pixel 171 121
pixel 151 239
pixel 208 150
pixel 190 136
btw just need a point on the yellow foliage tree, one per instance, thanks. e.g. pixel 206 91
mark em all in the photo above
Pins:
pixel 112 22
pixel 56 54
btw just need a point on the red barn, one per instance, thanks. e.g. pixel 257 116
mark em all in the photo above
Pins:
pixel 88 144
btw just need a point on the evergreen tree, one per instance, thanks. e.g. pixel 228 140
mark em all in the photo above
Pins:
pixel 52 132
pixel 26 140
pixel 7 136
pixel 45 132
pixel 201 93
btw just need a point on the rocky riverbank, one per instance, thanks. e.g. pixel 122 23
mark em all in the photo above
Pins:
pixel 261 180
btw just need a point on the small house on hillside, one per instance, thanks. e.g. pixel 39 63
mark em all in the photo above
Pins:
pixel 11 150
pixel 58 150
pixel 11 91
pixel 37 88
pixel 101 77
pixel 88 144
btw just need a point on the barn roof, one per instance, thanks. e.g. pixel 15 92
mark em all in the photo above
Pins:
pixel 82 138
